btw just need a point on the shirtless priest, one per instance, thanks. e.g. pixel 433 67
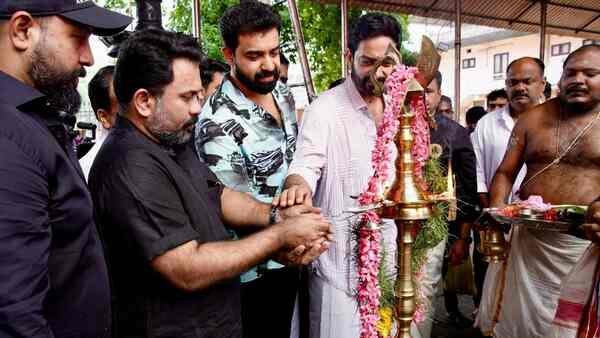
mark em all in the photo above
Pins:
pixel 559 141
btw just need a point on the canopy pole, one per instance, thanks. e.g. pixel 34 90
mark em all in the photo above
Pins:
pixel 457 57
pixel 149 14
pixel 299 36
pixel 543 13
pixel 197 21
pixel 344 10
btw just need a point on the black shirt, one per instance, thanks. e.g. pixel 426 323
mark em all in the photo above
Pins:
pixel 53 278
pixel 150 200
pixel 456 146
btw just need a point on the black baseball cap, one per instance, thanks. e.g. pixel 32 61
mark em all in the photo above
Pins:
pixel 101 20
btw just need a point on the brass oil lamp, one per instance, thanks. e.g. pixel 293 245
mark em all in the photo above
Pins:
pixel 492 244
pixel 408 206
pixel 405 202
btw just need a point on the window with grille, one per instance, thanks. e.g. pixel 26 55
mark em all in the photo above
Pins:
pixel 500 64
pixel 468 63
pixel 561 49
pixel 591 42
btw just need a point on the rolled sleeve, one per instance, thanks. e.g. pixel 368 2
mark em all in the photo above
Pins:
pixel 479 161
pixel 25 242
pixel 311 147
pixel 146 205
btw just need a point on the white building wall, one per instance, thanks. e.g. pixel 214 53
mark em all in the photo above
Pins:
pixel 477 82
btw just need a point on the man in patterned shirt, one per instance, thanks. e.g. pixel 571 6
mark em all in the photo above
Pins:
pixel 247 135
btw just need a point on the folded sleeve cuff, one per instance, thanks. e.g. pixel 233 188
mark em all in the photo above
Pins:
pixel 170 242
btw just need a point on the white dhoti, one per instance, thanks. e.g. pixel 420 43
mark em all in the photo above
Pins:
pixel 528 290
pixel 429 286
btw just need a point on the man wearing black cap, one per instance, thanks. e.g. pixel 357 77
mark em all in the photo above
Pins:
pixel 53 280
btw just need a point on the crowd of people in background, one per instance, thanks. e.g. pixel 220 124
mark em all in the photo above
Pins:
pixel 208 207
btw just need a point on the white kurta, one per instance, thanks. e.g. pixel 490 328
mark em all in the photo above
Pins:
pixel 333 155
pixel 490 140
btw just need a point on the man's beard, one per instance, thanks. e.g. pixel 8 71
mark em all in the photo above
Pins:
pixel 367 85
pixel 59 86
pixel 169 138
pixel 255 85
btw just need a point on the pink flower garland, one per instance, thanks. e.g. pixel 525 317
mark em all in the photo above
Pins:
pixel 420 131
pixel 368 290
pixel 369 244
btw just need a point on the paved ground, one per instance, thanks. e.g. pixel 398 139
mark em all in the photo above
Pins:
pixel 442 328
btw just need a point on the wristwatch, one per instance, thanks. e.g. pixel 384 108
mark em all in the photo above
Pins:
pixel 274 216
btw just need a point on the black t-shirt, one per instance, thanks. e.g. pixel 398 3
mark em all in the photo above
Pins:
pixel 149 200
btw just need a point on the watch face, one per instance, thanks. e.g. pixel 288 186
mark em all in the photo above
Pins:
pixel 273 215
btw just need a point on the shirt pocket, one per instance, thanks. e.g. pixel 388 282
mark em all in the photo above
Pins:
pixel 350 174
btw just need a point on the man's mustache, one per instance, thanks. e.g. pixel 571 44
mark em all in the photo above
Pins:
pixel 576 88
pixel 82 72
pixel 190 122
pixel 265 74
pixel 520 94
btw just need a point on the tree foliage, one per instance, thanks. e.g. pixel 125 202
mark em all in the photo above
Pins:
pixel 321 25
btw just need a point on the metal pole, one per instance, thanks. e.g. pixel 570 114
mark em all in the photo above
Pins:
pixel 344 10
pixel 299 36
pixel 544 10
pixel 457 56
pixel 149 14
pixel 197 20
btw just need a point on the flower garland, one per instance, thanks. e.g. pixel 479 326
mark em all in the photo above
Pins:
pixel 374 303
pixel 420 131
pixel 369 242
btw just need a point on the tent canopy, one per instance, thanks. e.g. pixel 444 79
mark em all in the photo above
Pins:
pixel 580 18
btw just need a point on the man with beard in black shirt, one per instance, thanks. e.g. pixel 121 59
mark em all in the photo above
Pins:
pixel 457 151
pixel 161 213
pixel 53 279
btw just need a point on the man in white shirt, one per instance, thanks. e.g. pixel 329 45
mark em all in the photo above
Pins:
pixel 524 86
pixel 496 100
pixel 105 106
pixel 491 135
pixel 490 140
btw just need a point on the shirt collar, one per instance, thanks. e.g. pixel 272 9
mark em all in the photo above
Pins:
pixel 123 123
pixel 504 117
pixel 355 98
pixel 233 92
pixel 15 92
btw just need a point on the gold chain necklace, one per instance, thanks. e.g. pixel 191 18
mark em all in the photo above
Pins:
pixel 576 139
pixel 560 155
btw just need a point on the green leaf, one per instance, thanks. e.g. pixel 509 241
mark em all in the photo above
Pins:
pixel 321 25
